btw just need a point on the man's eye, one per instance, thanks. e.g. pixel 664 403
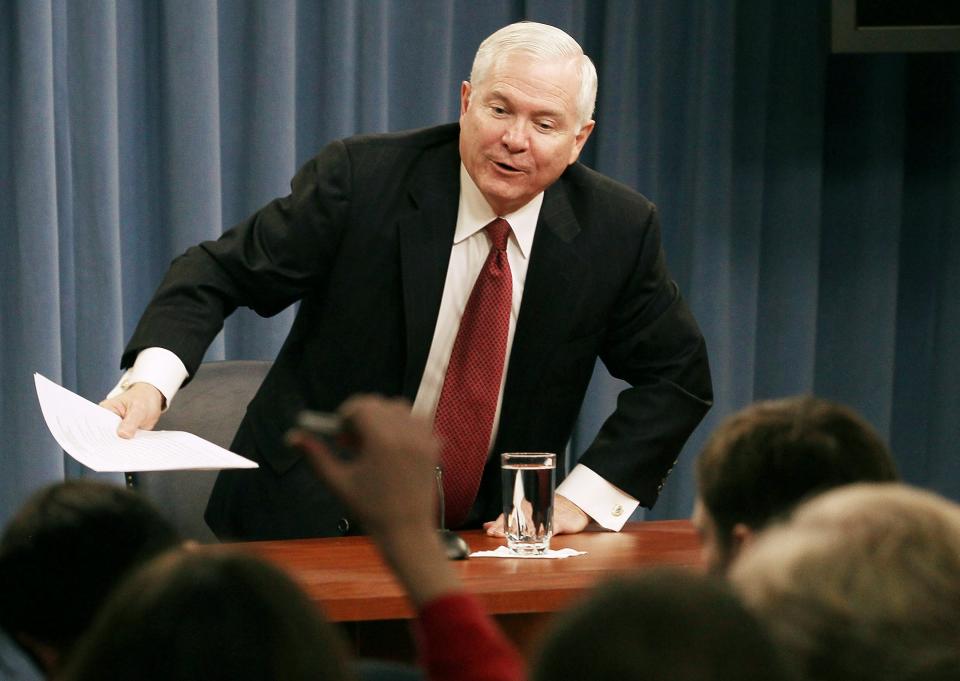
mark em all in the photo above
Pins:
pixel 499 110
pixel 545 127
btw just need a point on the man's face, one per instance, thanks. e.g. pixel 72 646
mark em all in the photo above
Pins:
pixel 712 552
pixel 518 128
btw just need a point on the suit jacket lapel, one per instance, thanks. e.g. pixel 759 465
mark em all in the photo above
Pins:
pixel 555 273
pixel 426 236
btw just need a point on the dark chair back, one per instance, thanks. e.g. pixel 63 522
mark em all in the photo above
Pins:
pixel 211 406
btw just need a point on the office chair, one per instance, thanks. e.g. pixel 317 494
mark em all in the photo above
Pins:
pixel 210 406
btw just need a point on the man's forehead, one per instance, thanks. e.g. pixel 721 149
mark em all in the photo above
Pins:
pixel 555 80
pixel 519 61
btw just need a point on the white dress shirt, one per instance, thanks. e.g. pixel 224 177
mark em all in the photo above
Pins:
pixel 608 505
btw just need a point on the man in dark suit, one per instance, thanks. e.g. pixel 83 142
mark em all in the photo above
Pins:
pixel 381 240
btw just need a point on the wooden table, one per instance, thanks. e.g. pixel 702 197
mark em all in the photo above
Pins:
pixel 347 578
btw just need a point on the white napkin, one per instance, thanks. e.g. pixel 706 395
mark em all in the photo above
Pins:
pixel 504 552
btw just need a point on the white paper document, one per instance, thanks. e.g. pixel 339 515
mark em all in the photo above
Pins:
pixel 88 433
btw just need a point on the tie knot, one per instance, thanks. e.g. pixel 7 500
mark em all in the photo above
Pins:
pixel 498 231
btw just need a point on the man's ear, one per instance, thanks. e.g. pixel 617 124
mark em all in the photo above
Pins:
pixel 464 96
pixel 741 537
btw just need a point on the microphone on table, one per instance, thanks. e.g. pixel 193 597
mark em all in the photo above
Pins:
pixel 454 545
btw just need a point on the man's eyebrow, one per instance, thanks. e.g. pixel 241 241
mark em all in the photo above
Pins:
pixel 495 93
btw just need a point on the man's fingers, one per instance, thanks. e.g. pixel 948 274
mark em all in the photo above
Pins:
pixel 138 407
pixel 116 406
pixel 494 528
pixel 128 426
pixel 568 518
pixel 134 419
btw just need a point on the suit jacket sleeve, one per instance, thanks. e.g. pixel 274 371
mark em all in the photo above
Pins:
pixel 266 263
pixel 653 343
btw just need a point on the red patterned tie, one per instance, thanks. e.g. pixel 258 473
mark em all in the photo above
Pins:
pixel 468 400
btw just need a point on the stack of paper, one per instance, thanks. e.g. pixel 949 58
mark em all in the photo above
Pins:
pixel 88 433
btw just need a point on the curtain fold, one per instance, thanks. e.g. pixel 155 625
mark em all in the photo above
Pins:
pixel 31 320
pixel 810 202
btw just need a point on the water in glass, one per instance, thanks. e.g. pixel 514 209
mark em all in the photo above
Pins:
pixel 528 480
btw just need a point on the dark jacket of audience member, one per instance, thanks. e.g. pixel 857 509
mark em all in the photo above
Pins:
pixel 862 584
pixel 662 625
pixel 62 554
pixel 212 615
pixel 764 460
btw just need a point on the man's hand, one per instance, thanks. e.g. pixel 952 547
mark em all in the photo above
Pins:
pixel 139 406
pixel 568 518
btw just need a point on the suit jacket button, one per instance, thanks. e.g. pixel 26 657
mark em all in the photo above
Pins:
pixel 343 525
pixel 617 511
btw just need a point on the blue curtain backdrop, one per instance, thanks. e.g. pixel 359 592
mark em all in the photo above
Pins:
pixel 810 202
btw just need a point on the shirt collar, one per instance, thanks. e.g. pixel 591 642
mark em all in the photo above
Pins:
pixel 474 213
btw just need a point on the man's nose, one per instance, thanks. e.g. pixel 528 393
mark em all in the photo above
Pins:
pixel 515 137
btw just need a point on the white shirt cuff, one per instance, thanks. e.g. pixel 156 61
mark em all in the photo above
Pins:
pixel 157 366
pixel 607 504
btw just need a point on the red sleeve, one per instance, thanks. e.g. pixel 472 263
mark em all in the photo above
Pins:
pixel 456 639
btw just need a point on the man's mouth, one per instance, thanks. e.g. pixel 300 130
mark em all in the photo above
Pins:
pixel 507 167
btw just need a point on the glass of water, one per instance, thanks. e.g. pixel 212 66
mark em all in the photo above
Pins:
pixel 528 480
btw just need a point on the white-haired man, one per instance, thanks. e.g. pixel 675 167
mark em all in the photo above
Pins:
pixel 475 269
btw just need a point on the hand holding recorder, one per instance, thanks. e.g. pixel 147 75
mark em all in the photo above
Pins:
pixel 381 461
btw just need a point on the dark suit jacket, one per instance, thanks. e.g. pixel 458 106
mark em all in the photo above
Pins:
pixel 363 242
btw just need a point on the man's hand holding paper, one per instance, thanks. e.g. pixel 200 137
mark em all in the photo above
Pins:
pixel 139 407
pixel 88 433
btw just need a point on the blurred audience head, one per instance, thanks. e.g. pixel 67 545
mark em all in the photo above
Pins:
pixel 764 460
pixel 62 554
pixel 211 614
pixel 663 625
pixel 863 583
